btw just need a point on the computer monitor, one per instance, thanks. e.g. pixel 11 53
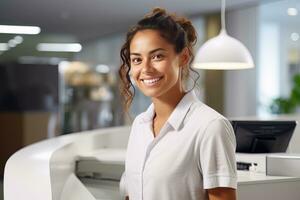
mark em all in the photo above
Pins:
pixel 262 136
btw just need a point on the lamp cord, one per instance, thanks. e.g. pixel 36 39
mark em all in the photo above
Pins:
pixel 223 15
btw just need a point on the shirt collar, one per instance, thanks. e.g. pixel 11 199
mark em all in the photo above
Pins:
pixel 178 114
pixel 148 114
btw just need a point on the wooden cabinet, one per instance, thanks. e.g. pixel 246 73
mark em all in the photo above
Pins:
pixel 19 129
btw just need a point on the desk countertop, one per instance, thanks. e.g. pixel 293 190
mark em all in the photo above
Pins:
pixel 246 177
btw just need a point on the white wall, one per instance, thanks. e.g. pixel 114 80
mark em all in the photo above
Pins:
pixel 105 50
pixel 268 76
pixel 240 86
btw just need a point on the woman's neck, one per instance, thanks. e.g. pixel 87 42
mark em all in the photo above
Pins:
pixel 164 105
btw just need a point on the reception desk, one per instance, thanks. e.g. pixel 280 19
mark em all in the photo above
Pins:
pixel 51 170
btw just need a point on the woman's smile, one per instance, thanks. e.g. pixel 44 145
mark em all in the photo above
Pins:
pixel 149 82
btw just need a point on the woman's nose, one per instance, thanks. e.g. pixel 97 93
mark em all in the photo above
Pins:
pixel 147 65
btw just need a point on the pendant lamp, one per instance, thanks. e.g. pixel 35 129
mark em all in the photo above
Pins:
pixel 223 52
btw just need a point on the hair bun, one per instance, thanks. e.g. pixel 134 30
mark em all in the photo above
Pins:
pixel 158 10
pixel 182 21
pixel 188 28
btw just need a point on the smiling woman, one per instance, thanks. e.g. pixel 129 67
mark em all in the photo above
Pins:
pixel 155 69
pixel 176 35
pixel 179 148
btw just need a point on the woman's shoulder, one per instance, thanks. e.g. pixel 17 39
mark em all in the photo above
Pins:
pixel 210 124
pixel 206 115
pixel 203 110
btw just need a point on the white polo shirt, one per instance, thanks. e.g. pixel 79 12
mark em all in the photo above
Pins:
pixel 194 151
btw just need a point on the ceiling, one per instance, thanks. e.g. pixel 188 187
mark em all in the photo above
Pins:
pixel 89 19
pixel 84 21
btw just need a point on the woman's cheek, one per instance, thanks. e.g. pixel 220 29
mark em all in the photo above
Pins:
pixel 134 74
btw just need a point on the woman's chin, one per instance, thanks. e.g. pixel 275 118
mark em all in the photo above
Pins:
pixel 152 93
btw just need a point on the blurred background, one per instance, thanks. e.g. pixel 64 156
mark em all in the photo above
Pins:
pixel 61 77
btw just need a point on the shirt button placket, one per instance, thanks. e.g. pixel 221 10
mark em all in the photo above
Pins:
pixel 149 148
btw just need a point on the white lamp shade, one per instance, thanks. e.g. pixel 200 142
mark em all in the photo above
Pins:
pixel 223 52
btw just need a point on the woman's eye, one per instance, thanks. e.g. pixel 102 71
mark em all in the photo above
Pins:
pixel 135 60
pixel 158 57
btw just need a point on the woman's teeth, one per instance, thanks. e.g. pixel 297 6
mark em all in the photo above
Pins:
pixel 151 81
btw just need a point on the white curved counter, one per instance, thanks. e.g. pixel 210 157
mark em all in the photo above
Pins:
pixel 46 170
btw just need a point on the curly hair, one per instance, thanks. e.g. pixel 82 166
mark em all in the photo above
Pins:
pixel 178 31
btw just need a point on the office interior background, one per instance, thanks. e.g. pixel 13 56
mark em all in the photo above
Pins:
pixel 48 92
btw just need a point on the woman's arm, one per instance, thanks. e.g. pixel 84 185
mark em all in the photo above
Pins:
pixel 221 193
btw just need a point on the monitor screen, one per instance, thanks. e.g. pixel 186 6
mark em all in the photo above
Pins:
pixel 262 136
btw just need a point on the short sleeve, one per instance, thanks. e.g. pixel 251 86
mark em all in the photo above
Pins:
pixel 123 186
pixel 217 155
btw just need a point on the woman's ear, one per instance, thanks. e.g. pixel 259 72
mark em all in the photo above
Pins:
pixel 184 57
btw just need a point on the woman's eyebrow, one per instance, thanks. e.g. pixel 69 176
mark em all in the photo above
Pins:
pixel 151 52
pixel 158 49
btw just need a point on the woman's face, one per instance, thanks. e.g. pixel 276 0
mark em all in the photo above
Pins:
pixel 155 66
